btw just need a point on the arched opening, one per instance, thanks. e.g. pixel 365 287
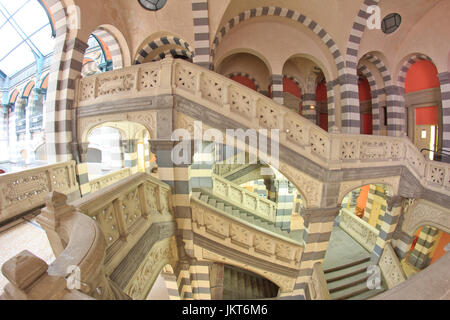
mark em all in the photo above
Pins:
pixel 241 284
pixel 305 89
pixel 165 286
pixel 246 69
pixel 161 45
pixel 352 242
pixel 429 244
pixel 365 105
pixel 423 101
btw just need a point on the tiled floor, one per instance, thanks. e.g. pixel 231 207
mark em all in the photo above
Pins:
pixel 24 234
pixel 342 250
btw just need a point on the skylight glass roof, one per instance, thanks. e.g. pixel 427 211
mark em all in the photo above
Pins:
pixel 25 32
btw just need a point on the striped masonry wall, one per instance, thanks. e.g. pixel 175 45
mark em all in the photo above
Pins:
pixel 309 106
pixel 203 165
pixel 201 33
pixel 349 81
pixel 113 46
pixel 83 178
pixel 147 49
pixel 444 78
pixel 374 93
pixel 318 227
pixel 369 203
pixel 244 74
pixel 285 203
pixel 200 283
pixel 177 177
pixel 276 88
pixel 376 196
pixel 421 256
pixel 130 155
pixel 171 284
pixel 387 226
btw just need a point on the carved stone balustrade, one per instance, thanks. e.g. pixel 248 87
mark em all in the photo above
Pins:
pixel 358 229
pixel 252 110
pixel 241 197
pixel 245 237
pixel 391 267
pixel 26 190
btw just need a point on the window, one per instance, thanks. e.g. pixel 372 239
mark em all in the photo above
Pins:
pixel 26 33
pixel 391 23
pixel 153 5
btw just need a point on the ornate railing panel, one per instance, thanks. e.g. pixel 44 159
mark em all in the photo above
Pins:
pixel 25 190
pixel 125 210
pixel 318 286
pixel 241 197
pixel 109 179
pixel 358 229
pixel 391 267
pixel 243 237
pixel 253 110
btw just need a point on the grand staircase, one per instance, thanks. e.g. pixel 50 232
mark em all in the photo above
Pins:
pixel 349 281
pixel 206 197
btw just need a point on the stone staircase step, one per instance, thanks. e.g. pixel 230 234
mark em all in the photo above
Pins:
pixel 348 265
pixel 347 282
pixel 348 272
pixel 204 198
pixel 220 206
pixel 368 294
pixel 212 202
pixel 196 194
pixel 350 292
pixel 228 209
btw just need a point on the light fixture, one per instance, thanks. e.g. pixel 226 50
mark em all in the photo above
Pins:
pixel 152 5
pixel 312 107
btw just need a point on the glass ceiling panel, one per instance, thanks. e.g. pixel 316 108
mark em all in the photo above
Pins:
pixel 24 29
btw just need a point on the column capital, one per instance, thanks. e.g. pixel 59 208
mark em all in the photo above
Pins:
pixel 394 201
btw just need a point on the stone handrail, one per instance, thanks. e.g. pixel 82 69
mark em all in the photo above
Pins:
pixel 253 110
pixel 318 284
pixel 244 237
pixel 358 229
pixel 109 179
pixel 391 267
pixel 125 211
pixel 432 283
pixel 241 197
pixel 26 190
pixel 79 246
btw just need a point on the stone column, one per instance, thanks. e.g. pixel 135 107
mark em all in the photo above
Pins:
pixel 276 81
pixel 444 78
pixel 79 150
pixel 285 202
pixel 309 107
pixel 203 165
pixel 130 154
pixel 388 226
pixel 420 257
pixel 216 274
pixel 318 227
pixel 200 283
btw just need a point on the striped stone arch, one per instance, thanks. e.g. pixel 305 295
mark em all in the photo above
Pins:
pixel 113 46
pixel 243 74
pixel 362 69
pixel 65 68
pixel 283 13
pixel 147 49
pixel 407 64
pixel 394 97
pixel 174 53
pixel 349 91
